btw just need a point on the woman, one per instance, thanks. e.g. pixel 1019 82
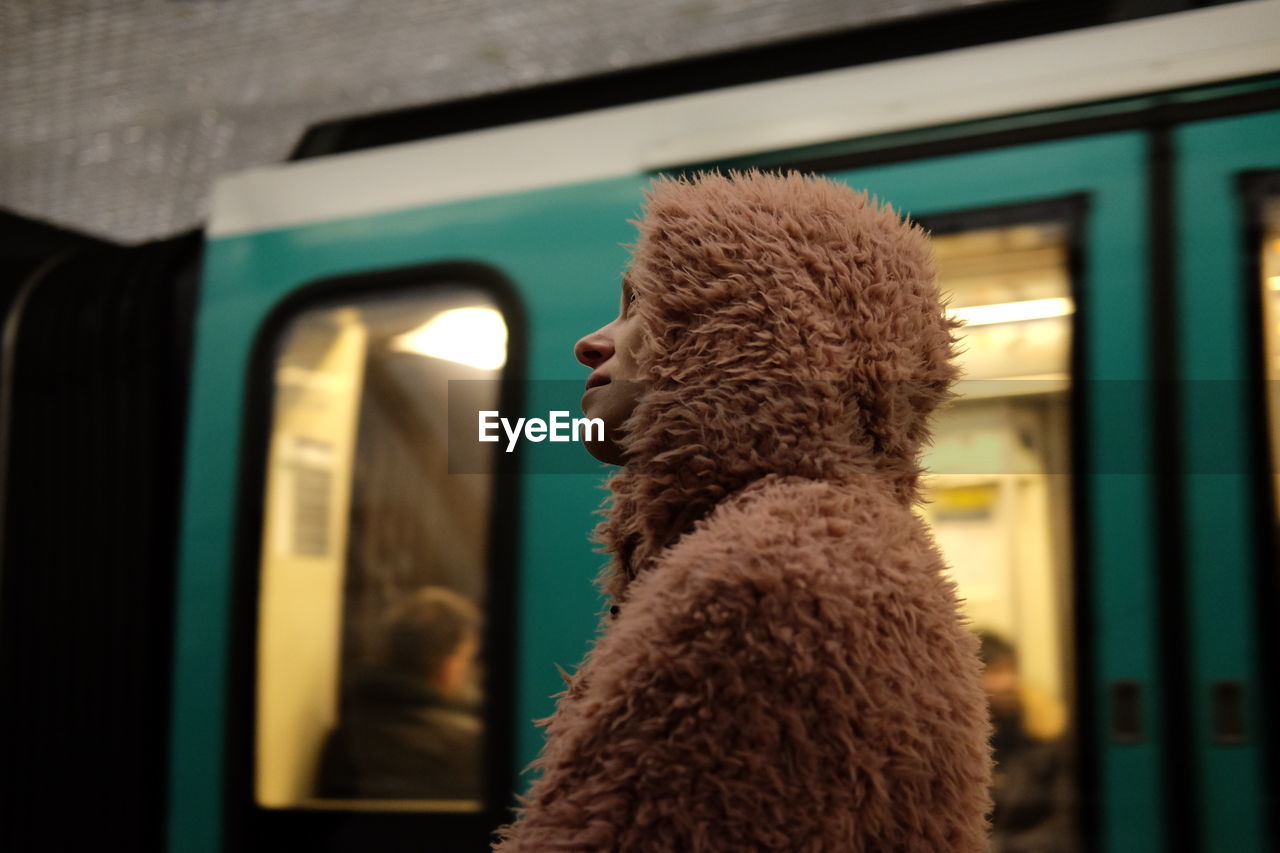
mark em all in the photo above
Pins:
pixel 783 667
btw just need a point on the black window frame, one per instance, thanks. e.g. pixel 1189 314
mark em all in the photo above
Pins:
pixel 1254 189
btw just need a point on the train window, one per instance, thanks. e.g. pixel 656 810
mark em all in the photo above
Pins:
pixel 1270 298
pixel 999 504
pixel 372 595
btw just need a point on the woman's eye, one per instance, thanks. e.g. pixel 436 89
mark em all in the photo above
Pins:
pixel 631 297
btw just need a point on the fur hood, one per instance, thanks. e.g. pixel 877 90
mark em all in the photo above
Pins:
pixel 792 329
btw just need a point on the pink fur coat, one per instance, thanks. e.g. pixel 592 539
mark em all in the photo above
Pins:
pixel 786 669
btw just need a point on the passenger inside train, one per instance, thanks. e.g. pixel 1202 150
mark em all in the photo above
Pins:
pixel 1031 783
pixel 406 728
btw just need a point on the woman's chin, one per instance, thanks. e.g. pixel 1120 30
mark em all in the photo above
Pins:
pixel 605 451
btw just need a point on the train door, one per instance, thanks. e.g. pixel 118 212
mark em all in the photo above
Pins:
pixel 1226 182
pixel 1043 496
pixel 331 527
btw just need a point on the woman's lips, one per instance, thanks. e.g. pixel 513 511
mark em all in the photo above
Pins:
pixel 594 381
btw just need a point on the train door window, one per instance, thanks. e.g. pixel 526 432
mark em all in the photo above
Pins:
pixel 999 501
pixel 372 591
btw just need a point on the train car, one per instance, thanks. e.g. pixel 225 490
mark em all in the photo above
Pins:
pixel 229 459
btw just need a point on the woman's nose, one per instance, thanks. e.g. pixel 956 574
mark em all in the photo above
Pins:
pixel 594 349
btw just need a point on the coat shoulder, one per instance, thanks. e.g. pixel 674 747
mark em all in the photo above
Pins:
pixel 794 657
pixel 816 534
pixel 816 627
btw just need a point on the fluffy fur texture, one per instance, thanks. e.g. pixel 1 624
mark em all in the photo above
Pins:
pixel 787 669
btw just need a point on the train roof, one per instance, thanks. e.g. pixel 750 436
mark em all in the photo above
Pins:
pixel 1061 69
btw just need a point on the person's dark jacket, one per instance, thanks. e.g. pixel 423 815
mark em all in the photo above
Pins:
pixel 398 738
pixel 1032 789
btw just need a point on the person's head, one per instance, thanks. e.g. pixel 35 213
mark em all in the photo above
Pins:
pixel 999 674
pixel 434 635
pixel 772 325
pixel 615 385
pixel 785 281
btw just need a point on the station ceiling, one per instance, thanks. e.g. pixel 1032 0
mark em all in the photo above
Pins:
pixel 119 114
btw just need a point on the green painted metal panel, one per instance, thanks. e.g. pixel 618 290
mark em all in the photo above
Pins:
pixel 1219 534
pixel 1114 302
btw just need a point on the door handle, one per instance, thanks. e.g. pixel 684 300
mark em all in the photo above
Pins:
pixel 1227 712
pixel 1126 711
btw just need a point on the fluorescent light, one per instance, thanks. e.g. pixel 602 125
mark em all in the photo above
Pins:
pixel 1274 282
pixel 476 337
pixel 1013 312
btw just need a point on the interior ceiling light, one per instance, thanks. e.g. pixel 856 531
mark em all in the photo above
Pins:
pixel 476 337
pixel 1014 312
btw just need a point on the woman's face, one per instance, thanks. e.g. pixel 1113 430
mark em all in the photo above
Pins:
pixel 614 386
